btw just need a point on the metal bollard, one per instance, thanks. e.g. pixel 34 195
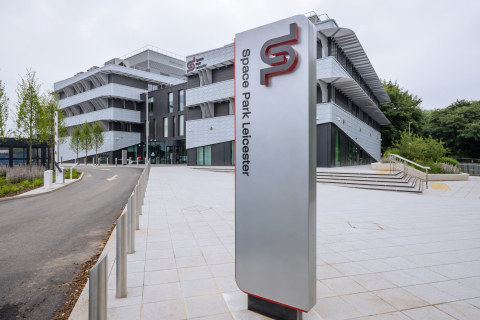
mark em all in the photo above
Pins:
pixel 137 217
pixel 97 301
pixel 107 161
pixel 115 162
pixel 122 243
pixel 131 225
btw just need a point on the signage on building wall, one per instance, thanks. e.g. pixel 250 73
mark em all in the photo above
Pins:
pixel 196 64
pixel 275 151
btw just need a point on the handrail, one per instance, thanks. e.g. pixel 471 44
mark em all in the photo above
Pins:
pixel 405 167
pixel 409 161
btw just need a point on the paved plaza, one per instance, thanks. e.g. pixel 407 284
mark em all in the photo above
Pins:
pixel 380 255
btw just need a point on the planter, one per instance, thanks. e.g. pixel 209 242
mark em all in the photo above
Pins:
pixel 422 175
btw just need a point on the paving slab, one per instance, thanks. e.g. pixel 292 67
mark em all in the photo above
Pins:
pixel 380 255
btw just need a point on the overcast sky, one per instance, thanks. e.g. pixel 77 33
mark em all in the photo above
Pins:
pixel 431 48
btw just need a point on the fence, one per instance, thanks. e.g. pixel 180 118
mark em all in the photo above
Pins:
pixel 127 223
pixel 470 168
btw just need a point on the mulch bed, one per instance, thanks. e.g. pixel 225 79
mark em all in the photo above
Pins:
pixel 12 194
pixel 75 287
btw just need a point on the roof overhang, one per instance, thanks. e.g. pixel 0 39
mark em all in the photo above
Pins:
pixel 350 44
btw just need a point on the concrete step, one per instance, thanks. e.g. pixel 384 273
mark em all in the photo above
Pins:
pixel 366 179
pixel 396 175
pixel 410 183
pixel 382 188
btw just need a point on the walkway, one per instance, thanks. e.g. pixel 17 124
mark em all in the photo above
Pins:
pixel 378 253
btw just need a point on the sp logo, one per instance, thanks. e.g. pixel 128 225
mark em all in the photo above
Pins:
pixel 279 48
pixel 191 65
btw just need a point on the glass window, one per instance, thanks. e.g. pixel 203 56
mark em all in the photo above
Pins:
pixel 165 127
pixel 181 100
pixel 19 161
pixel 4 152
pixel 36 152
pixel 123 104
pixel 150 106
pixel 19 153
pixel 170 102
pixel 174 126
pixel 200 156
pixel 134 105
pixel 208 155
pixel 181 123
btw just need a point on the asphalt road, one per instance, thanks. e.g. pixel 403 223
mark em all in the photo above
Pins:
pixel 43 238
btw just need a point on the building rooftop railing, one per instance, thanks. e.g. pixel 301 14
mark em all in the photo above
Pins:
pixel 315 18
pixel 155 49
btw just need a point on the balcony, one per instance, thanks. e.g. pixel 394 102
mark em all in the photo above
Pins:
pixel 330 71
pixel 111 90
pixel 151 77
pixel 110 114
pixel 214 92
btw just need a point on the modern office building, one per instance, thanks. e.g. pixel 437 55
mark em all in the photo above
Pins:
pixel 191 103
pixel 349 93
pixel 114 94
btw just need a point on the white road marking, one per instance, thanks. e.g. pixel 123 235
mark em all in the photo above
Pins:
pixel 104 169
pixel 112 178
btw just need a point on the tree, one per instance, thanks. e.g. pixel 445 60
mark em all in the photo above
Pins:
pixel 28 116
pixel 3 112
pixel 86 138
pixel 97 137
pixel 403 108
pixel 76 141
pixel 458 125
pixel 49 105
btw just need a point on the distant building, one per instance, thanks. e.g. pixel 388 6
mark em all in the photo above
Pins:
pixel 16 152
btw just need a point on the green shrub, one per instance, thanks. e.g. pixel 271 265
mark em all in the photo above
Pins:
pixel 448 160
pixel 37 182
pixel 13 189
pixel 6 189
pixel 416 148
pixel 26 183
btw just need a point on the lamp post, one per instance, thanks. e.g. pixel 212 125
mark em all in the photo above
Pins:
pixel 146 126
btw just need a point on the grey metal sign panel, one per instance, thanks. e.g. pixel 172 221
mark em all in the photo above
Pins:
pixel 275 154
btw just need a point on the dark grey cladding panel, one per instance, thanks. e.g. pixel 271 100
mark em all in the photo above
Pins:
pixel 194 113
pixel 228 153
pixel 319 95
pixel 324 143
pixel 192 157
pixel 126 81
pixel 341 100
pixel 193 81
pixel 221 109
pixel 319 49
pixel 224 73
pixel 218 154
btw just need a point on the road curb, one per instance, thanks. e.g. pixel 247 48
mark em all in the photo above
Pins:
pixel 39 194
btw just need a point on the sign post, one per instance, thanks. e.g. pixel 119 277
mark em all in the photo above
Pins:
pixel 275 159
pixel 59 175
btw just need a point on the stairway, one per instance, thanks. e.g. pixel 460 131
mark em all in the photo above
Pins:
pixel 395 181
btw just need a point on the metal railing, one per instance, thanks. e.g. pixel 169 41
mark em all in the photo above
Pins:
pixel 397 162
pixel 127 223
